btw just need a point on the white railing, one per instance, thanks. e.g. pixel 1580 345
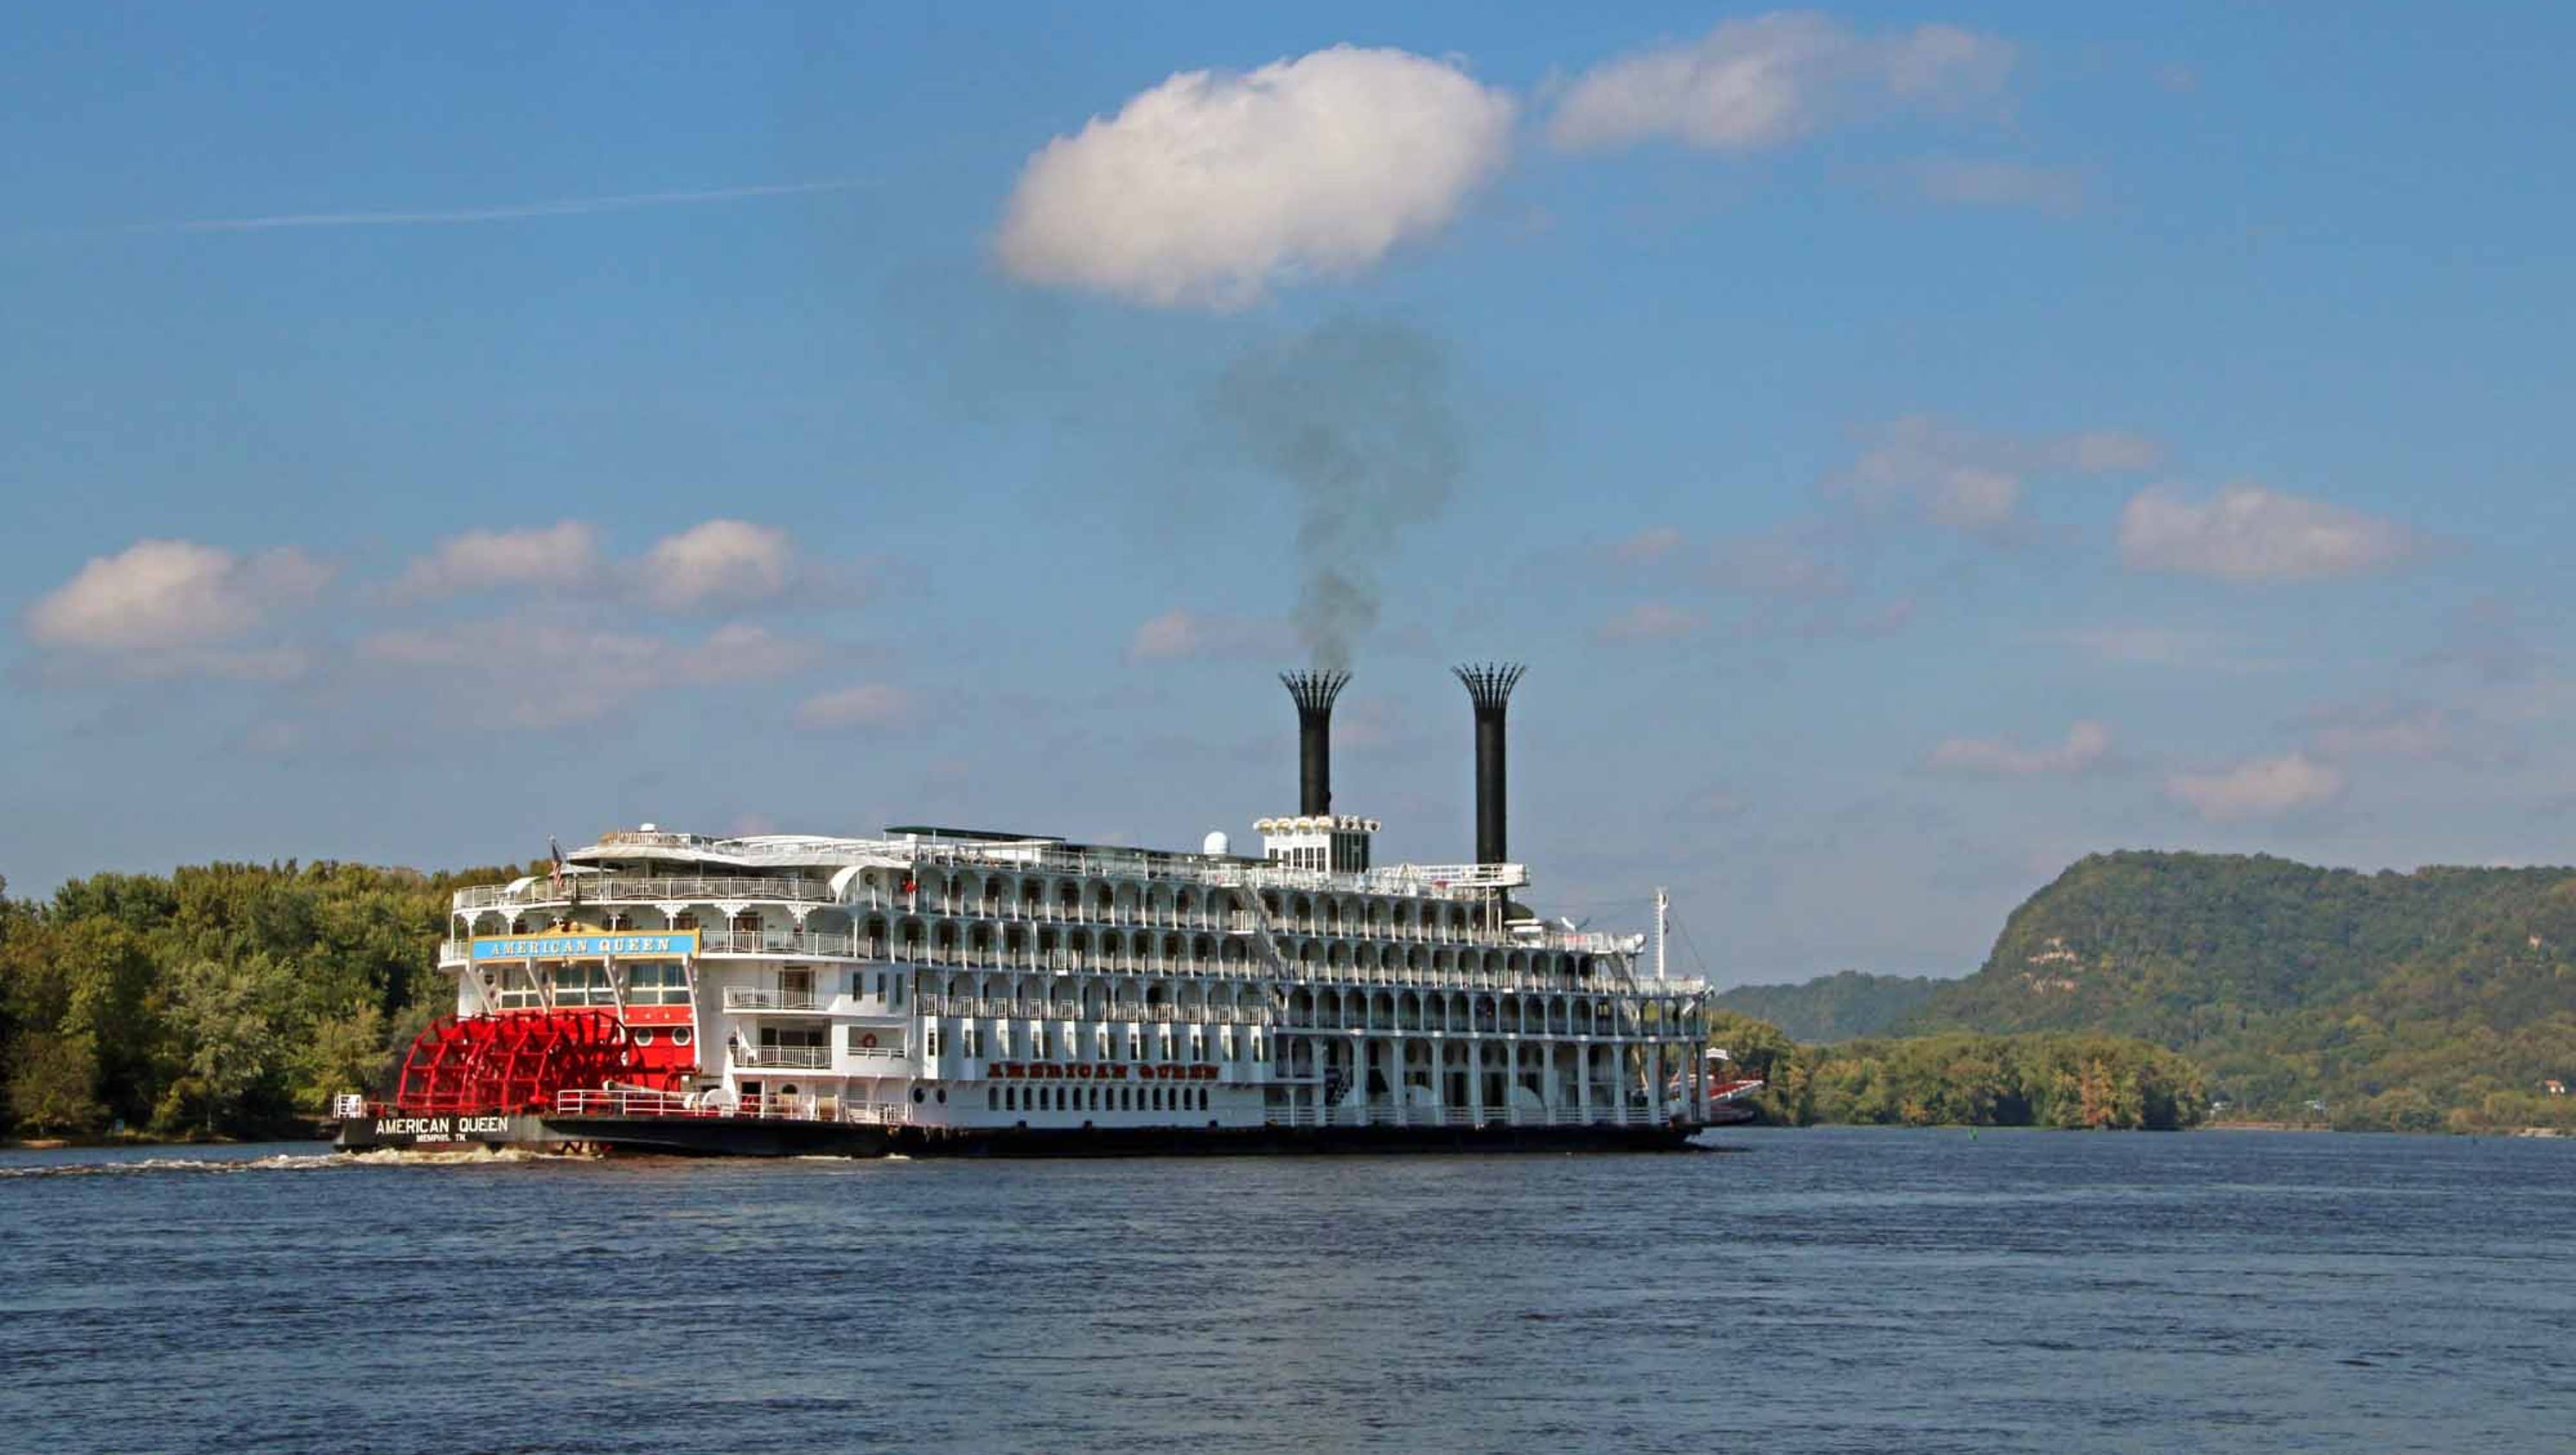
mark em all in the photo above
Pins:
pixel 824 944
pixel 784 1058
pixel 740 998
pixel 970 1007
pixel 842 945
pixel 1444 881
pixel 1455 1116
pixel 644 889
pixel 636 1103
pixel 1605 984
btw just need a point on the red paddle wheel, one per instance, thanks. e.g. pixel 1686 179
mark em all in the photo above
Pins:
pixel 512 1063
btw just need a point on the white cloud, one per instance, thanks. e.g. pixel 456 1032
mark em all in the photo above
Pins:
pixel 2258 788
pixel 738 652
pixel 869 705
pixel 1987 182
pixel 2087 743
pixel 2247 533
pixel 1767 81
pixel 1211 188
pixel 1650 621
pixel 1973 481
pixel 174 598
pixel 559 555
pixel 528 672
pixel 1177 634
pixel 730 561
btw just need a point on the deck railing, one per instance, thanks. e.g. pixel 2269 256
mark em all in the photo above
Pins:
pixel 738 997
pixel 1037 1010
pixel 843 944
pixel 636 1103
pixel 646 889
pixel 1455 1116
pixel 783 1058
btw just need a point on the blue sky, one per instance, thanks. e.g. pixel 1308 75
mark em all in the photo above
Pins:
pixel 1912 447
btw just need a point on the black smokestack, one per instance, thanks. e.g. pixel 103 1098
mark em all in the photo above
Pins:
pixel 1314 692
pixel 1489 686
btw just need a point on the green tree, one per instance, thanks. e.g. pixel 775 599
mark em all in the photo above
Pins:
pixel 53 1082
pixel 345 1053
pixel 227 1026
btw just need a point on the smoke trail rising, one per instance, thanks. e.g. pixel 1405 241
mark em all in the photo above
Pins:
pixel 1355 417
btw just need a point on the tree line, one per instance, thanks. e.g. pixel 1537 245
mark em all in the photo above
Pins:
pixel 2041 1079
pixel 220 999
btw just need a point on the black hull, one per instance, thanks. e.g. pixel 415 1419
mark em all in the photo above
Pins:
pixel 765 1137
pixel 1281 1141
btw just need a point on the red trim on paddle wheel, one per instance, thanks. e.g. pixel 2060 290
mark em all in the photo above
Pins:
pixel 511 1063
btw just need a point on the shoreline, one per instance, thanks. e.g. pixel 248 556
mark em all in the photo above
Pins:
pixel 300 1130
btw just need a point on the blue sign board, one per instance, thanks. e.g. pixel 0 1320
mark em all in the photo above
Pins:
pixel 587 947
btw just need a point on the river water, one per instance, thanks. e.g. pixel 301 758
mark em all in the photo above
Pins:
pixel 1797 1291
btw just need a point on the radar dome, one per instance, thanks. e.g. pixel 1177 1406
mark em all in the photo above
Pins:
pixel 1217 844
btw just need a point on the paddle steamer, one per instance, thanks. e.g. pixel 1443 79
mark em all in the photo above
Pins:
pixel 942 990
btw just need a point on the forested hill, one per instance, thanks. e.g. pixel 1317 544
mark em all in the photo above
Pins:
pixel 2397 999
pixel 1838 1007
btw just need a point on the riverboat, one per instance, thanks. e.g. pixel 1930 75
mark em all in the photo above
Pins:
pixel 936 990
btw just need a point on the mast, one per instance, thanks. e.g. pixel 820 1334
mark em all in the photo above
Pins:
pixel 1663 914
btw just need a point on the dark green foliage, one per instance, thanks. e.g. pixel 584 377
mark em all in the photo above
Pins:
pixel 1834 1007
pixel 1958 1079
pixel 2442 998
pixel 222 998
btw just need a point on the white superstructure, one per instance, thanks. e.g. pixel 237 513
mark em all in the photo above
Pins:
pixel 943 978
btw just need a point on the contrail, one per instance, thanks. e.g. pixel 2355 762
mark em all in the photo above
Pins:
pixel 511 212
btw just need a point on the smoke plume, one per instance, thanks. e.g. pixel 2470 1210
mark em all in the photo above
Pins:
pixel 1355 418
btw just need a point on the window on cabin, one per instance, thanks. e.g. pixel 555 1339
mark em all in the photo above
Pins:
pixel 656 982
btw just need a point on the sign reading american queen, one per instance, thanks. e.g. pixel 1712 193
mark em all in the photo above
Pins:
pixel 669 946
